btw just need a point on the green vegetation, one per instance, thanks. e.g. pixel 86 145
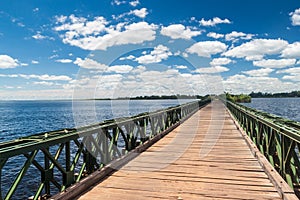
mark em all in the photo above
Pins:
pixel 275 95
pixel 152 97
pixel 241 98
pixel 178 96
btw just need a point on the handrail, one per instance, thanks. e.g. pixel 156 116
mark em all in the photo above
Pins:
pixel 277 138
pixel 53 161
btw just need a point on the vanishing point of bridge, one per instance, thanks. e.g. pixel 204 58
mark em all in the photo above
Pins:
pixel 208 156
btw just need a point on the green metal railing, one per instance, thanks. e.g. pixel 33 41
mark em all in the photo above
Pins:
pixel 58 159
pixel 277 138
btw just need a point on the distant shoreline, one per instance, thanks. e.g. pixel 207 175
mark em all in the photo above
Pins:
pixel 293 94
pixel 273 97
pixel 134 98
pixel 153 97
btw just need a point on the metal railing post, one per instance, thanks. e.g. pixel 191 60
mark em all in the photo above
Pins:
pixel 277 140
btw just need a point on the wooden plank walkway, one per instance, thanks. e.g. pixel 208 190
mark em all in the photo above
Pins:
pixel 206 157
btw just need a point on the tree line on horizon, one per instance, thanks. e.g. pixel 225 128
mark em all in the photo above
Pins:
pixel 275 95
pixel 233 97
pixel 238 98
pixel 178 96
pixel 152 97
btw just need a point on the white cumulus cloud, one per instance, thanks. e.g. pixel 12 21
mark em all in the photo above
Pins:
pixel 247 84
pixel 38 36
pixel 142 13
pixel 214 21
pixel 181 66
pixel 118 2
pixel 207 48
pixel 97 34
pixel 256 49
pixel 61 19
pixel 234 35
pixel 273 63
pixel 8 62
pixel 215 35
pixel 47 77
pixel 292 70
pixel 292 51
pixel 158 54
pixel 79 26
pixel 220 61
pixel 211 70
pixel 134 3
pixel 179 31
pixel 295 17
pixel 88 63
pixel 120 69
pixel 259 72
pixel 130 57
pixel 24 64
pixel 44 83
pixel 295 78
pixel 293 74
pixel 43 77
pixel 64 60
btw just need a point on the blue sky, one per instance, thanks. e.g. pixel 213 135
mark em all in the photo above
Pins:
pixel 98 49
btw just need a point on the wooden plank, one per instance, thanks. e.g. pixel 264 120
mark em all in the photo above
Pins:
pixel 282 187
pixel 204 158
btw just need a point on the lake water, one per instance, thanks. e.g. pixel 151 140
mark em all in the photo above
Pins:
pixel 283 107
pixel 22 118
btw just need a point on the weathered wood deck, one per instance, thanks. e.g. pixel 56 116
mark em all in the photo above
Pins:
pixel 206 157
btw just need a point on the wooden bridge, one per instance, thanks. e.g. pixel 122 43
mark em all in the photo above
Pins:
pixel 178 153
pixel 206 157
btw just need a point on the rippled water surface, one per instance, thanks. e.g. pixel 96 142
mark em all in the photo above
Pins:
pixel 21 118
pixel 283 107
